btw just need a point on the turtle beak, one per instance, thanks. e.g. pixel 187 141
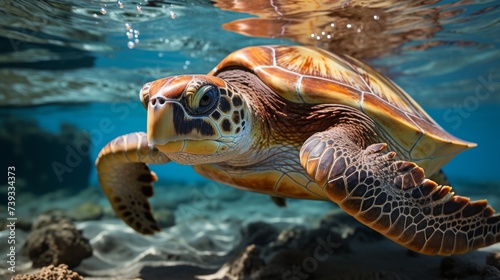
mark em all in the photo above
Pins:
pixel 161 121
pixel 160 98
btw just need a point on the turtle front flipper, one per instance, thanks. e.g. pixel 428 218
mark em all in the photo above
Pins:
pixel 394 198
pixel 127 181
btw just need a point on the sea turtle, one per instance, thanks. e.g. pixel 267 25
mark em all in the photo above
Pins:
pixel 300 122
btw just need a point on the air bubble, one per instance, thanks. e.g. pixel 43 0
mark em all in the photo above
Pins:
pixel 130 45
pixel 313 35
pixel 128 26
pixel 120 4
pixel 139 8
pixel 130 35
pixel 376 17
pixel 136 41
pixel 103 10
pixel 173 15
pixel 349 25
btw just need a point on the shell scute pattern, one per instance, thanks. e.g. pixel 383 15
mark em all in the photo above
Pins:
pixel 308 75
pixel 319 65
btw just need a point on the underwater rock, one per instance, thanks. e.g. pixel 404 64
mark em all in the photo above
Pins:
pixel 260 233
pixel 246 265
pixel 307 240
pixel 45 162
pixel 283 261
pixel 55 240
pixel 86 211
pixel 61 272
pixel 54 216
pixel 385 275
pixel 493 259
pixel 489 273
pixel 348 227
pixel 454 267
pixel 270 253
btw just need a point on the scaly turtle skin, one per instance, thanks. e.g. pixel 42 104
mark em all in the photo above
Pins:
pixel 304 123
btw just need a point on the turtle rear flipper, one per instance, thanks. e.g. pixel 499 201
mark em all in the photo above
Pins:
pixel 394 198
pixel 279 201
pixel 127 181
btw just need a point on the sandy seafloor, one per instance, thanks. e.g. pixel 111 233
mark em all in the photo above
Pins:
pixel 215 223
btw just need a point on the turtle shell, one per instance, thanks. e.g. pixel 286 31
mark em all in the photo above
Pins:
pixel 314 76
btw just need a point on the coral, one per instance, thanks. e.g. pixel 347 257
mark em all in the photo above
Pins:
pixel 55 240
pixel 44 161
pixel 51 272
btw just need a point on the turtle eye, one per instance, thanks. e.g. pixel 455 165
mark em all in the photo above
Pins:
pixel 205 99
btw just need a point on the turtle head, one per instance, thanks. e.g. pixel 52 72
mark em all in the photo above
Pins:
pixel 195 119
